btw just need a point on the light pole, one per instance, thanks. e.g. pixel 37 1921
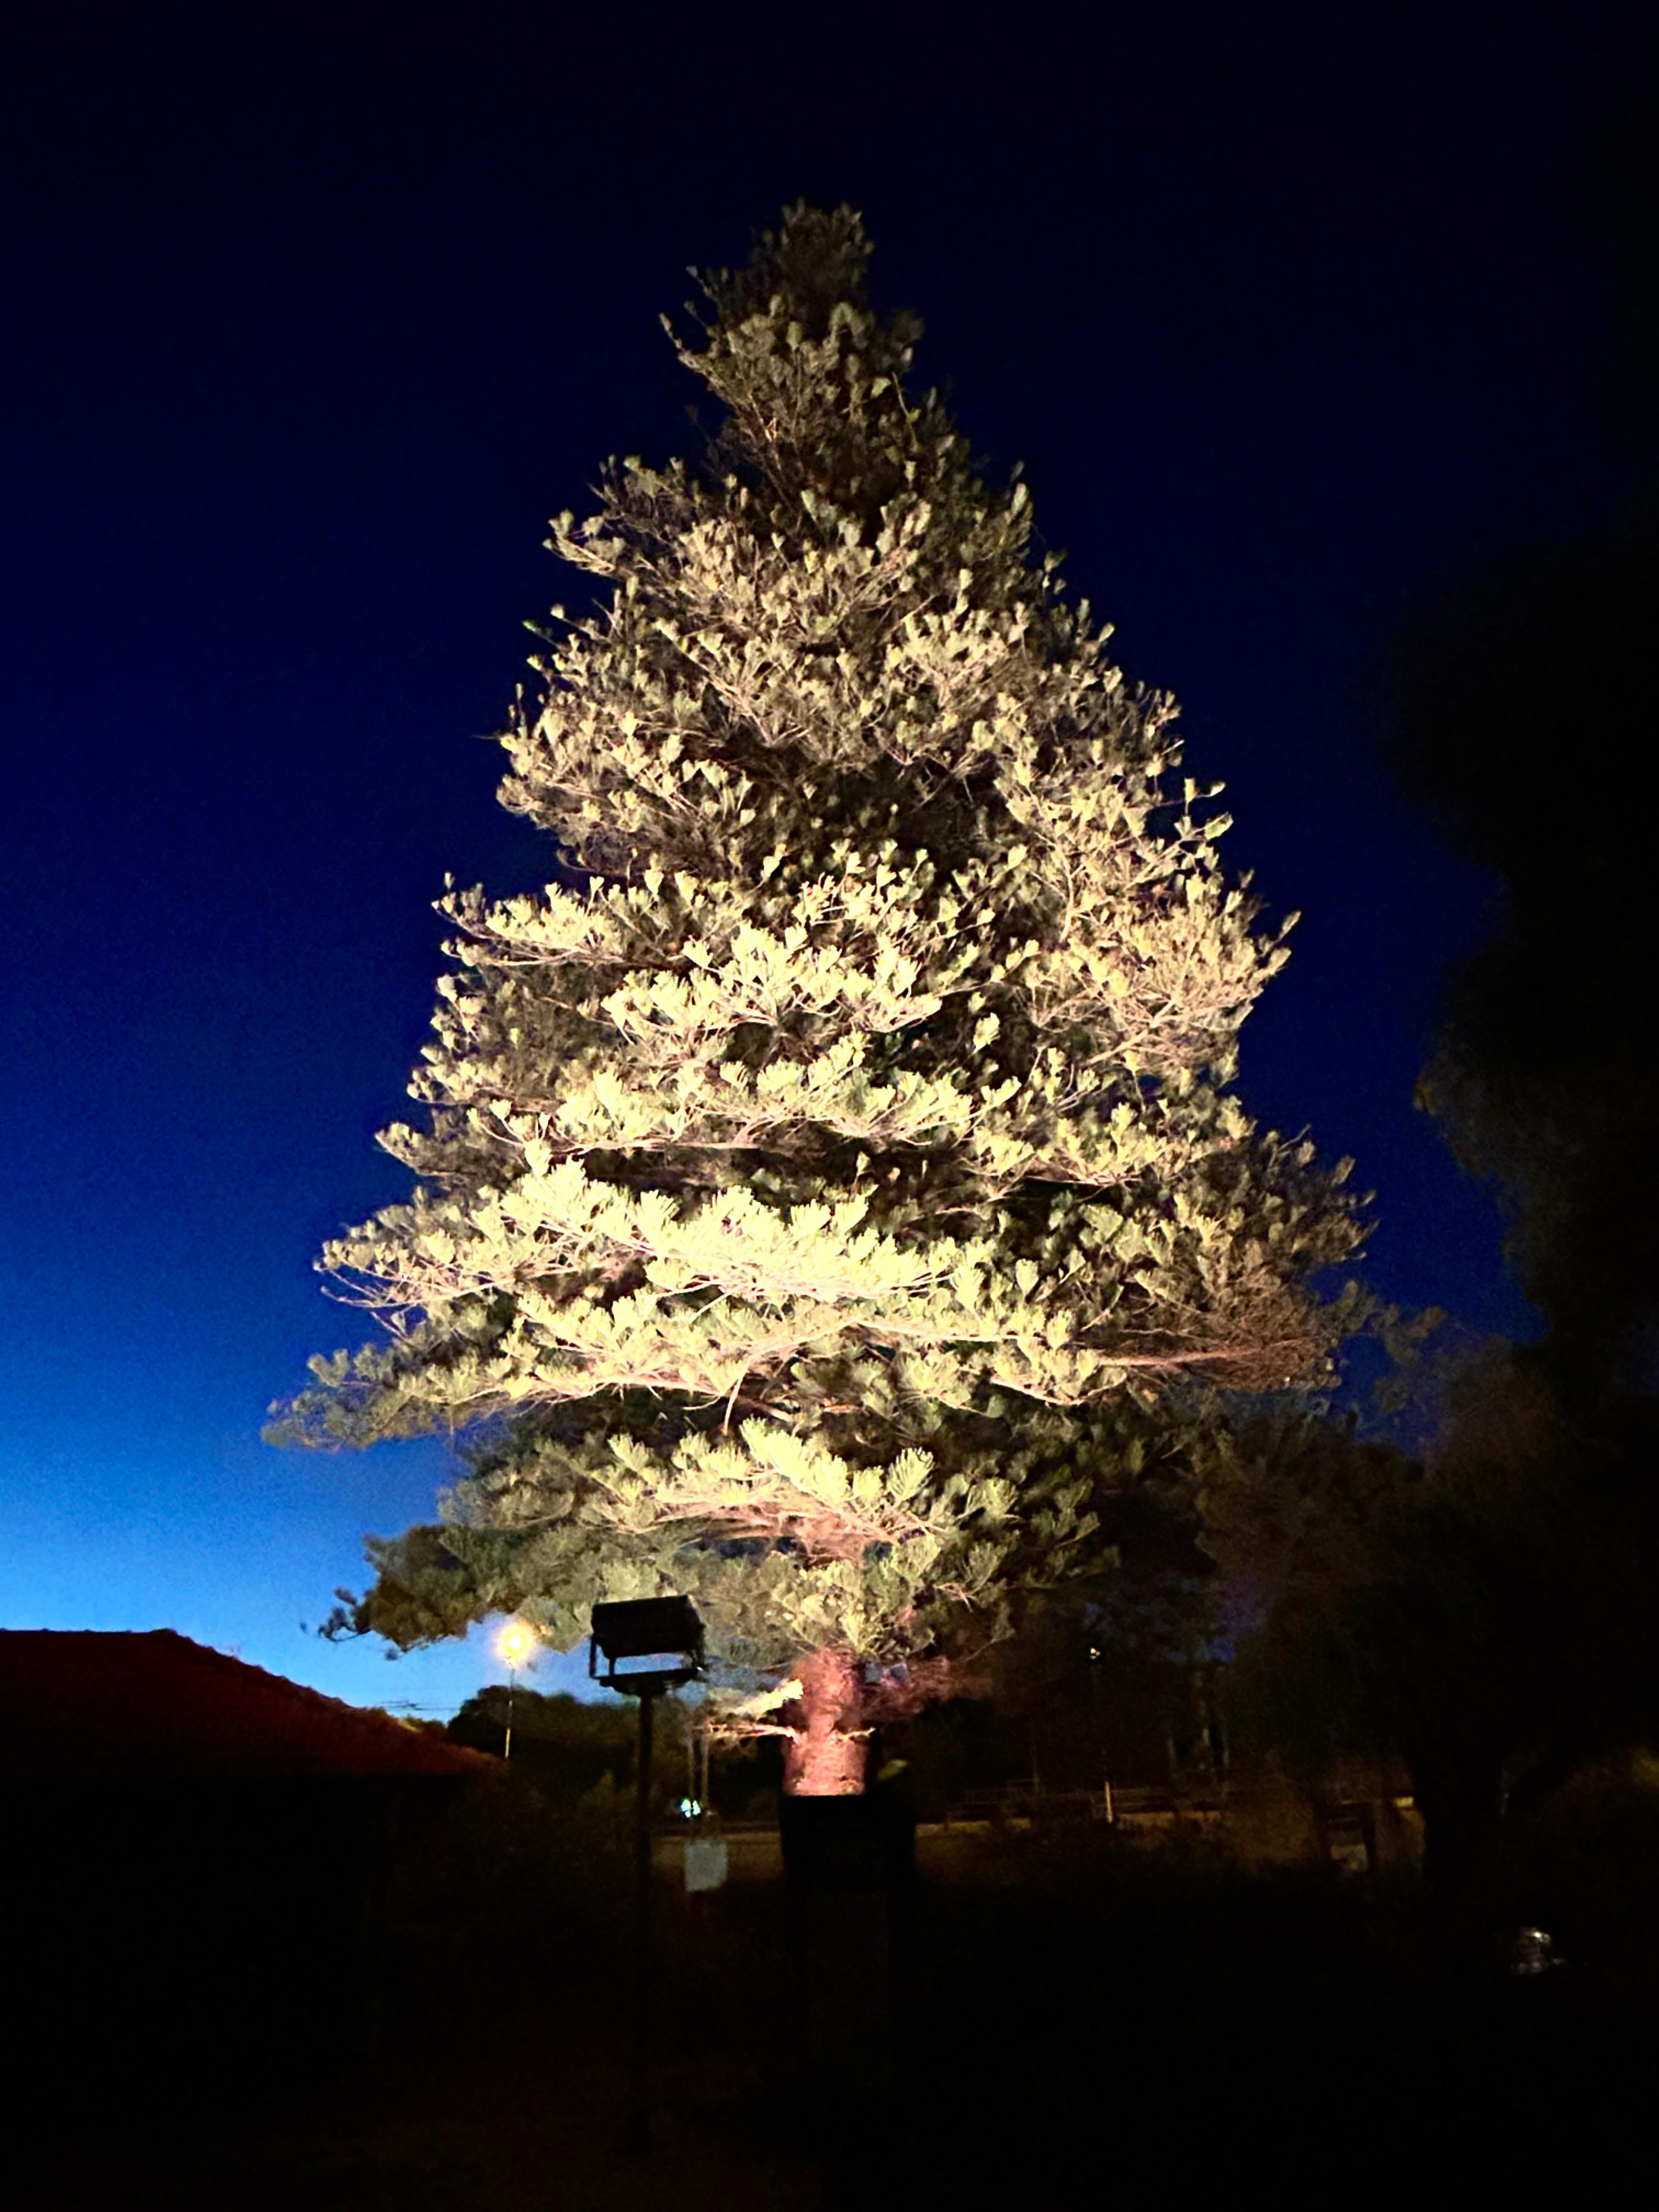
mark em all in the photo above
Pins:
pixel 662 1636
pixel 514 1644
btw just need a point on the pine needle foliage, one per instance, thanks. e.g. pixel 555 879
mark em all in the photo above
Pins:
pixel 828 1189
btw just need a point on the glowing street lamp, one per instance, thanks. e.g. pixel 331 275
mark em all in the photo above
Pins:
pixel 513 1646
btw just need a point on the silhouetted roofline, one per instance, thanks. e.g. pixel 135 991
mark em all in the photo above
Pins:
pixel 89 1702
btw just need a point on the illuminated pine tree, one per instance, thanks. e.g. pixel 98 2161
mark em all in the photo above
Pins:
pixel 828 1190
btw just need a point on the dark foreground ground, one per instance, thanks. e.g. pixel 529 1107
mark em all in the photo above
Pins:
pixel 1081 2026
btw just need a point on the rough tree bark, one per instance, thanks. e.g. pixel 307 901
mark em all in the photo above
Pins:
pixel 824 1756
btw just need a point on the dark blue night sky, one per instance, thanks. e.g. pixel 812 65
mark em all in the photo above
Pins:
pixel 1286 313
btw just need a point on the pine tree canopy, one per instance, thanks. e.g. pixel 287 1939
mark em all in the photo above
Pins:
pixel 828 1190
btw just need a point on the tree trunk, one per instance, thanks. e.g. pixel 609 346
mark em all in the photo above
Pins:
pixel 1462 1809
pixel 1459 1794
pixel 836 1880
pixel 825 1758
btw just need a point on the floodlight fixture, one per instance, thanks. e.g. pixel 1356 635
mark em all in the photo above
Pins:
pixel 648 1644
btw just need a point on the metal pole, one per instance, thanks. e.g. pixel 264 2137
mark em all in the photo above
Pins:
pixel 643 1992
pixel 512 1684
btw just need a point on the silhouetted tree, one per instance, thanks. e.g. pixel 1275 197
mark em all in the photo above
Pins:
pixel 564 1744
pixel 1521 722
pixel 1487 1611
pixel 1484 1614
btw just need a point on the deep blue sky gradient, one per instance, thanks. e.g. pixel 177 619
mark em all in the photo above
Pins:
pixel 309 335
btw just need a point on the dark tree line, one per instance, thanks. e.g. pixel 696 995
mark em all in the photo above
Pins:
pixel 1484 1607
